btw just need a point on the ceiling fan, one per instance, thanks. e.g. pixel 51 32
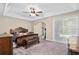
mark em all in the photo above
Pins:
pixel 33 12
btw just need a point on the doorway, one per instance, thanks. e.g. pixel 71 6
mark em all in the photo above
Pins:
pixel 40 29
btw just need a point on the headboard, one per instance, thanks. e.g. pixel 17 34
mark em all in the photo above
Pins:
pixel 19 30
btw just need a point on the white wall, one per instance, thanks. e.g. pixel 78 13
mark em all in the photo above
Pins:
pixel 7 23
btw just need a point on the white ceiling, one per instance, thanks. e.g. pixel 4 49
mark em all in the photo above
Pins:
pixel 49 9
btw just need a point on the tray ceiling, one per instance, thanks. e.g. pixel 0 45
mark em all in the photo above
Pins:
pixel 49 9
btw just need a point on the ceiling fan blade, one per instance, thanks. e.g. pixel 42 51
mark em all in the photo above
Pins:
pixel 39 12
pixel 36 14
pixel 26 12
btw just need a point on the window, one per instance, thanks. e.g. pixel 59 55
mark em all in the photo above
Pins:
pixel 70 26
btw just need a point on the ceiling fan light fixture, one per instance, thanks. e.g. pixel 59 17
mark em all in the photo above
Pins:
pixel 32 14
pixel 33 11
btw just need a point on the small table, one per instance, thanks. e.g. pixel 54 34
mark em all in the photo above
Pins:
pixel 74 49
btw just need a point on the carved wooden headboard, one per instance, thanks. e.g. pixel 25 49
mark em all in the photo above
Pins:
pixel 19 30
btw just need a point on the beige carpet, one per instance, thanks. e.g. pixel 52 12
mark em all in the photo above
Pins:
pixel 43 48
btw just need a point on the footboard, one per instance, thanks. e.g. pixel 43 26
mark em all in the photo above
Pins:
pixel 27 40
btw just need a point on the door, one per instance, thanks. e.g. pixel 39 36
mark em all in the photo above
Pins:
pixel 40 28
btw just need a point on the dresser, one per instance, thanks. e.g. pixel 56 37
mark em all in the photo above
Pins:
pixel 6 44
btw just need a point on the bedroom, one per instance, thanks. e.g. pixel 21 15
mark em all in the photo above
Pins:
pixel 53 23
